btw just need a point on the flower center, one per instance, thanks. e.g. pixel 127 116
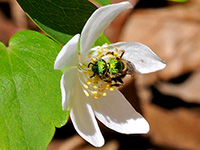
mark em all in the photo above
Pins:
pixel 104 71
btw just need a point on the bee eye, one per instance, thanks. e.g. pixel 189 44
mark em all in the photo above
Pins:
pixel 100 67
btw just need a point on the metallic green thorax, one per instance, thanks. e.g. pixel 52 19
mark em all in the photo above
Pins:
pixel 115 66
pixel 100 67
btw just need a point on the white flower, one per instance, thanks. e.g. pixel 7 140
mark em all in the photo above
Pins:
pixel 89 94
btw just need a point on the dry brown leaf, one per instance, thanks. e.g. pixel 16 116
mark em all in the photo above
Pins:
pixel 188 91
pixel 68 144
pixel 179 128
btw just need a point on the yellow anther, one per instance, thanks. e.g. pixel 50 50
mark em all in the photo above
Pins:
pixel 89 81
pixel 101 90
pixel 104 94
pixel 115 54
pixel 85 86
pixel 86 93
pixel 95 87
pixel 97 95
pixel 106 49
pixel 100 52
pixel 94 59
pixel 94 92
pixel 110 55
pixel 111 89
pixel 108 85
pixel 106 44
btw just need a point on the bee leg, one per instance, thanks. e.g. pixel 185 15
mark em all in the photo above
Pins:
pixel 122 53
pixel 90 64
pixel 113 82
pixel 120 80
pixel 116 84
pixel 93 75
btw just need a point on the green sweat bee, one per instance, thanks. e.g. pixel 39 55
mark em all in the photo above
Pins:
pixel 113 69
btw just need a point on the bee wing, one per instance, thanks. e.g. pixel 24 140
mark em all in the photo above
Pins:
pixel 131 68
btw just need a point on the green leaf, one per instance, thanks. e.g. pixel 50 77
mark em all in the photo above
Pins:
pixel 30 99
pixel 60 19
pixel 102 40
pixel 103 2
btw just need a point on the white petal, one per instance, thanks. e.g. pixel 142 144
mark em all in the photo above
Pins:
pixel 97 23
pixel 68 86
pixel 84 121
pixel 68 56
pixel 116 113
pixel 143 58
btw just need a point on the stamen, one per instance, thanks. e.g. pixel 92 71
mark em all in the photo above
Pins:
pixel 115 54
pixel 104 94
pixel 95 87
pixel 97 96
pixel 94 92
pixel 106 49
pixel 108 85
pixel 85 86
pixel 86 93
pixel 89 81
pixel 94 59
pixel 106 44
pixel 111 89
pixel 110 55
pixel 100 52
